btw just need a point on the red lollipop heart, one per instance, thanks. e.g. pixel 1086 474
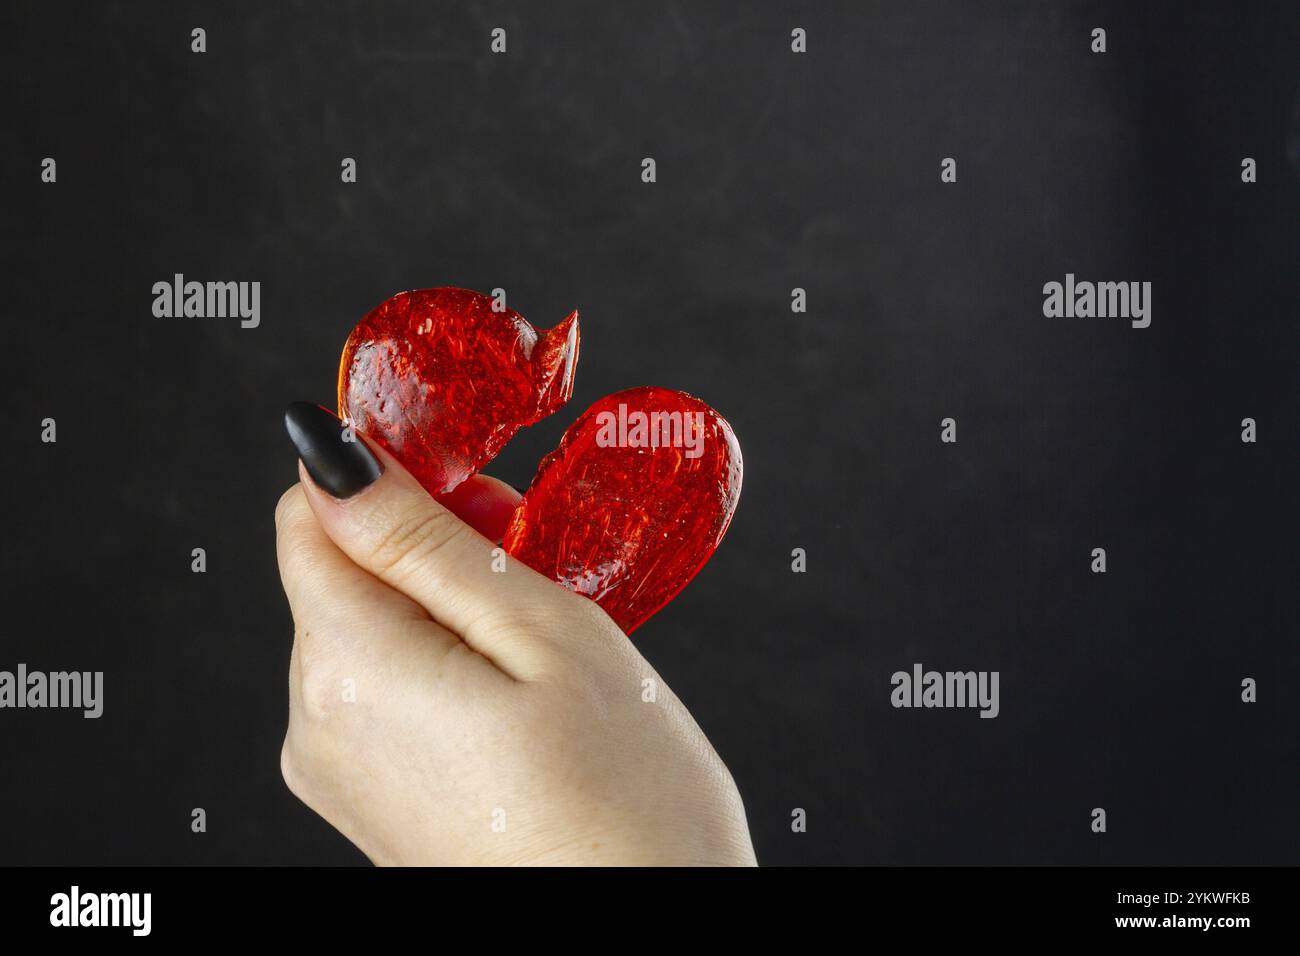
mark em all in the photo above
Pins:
pixel 633 503
pixel 443 381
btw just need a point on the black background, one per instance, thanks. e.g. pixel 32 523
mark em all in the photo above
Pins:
pixel 775 170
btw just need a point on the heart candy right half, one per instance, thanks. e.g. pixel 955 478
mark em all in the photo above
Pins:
pixel 633 503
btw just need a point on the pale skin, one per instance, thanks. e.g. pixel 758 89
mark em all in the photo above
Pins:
pixel 444 713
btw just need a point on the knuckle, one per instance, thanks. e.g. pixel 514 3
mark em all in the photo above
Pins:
pixel 416 536
pixel 319 681
pixel 321 694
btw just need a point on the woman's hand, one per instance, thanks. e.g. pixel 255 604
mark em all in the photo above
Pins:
pixel 443 712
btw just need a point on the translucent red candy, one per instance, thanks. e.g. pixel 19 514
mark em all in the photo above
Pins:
pixel 633 502
pixel 443 381
pixel 629 507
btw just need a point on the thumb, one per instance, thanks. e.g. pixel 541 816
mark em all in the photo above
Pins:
pixel 382 519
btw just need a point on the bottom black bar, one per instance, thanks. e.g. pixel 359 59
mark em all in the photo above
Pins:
pixel 338 905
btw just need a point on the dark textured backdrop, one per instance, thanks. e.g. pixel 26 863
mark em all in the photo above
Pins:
pixel 775 170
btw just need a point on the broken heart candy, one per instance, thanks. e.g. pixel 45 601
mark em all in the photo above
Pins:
pixel 443 380
pixel 633 503
pixel 629 507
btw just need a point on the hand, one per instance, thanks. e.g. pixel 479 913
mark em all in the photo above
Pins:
pixel 444 713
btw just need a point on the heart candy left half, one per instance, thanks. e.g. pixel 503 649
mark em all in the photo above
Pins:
pixel 443 380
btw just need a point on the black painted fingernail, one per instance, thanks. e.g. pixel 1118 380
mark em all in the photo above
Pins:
pixel 340 467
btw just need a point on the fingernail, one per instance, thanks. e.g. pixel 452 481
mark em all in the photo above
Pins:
pixel 341 468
